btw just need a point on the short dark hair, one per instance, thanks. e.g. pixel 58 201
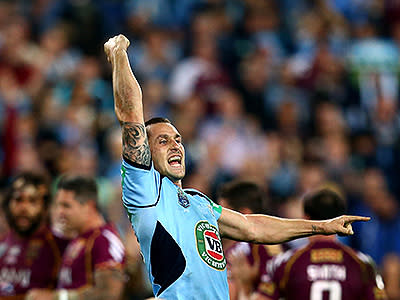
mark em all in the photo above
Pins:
pixel 22 180
pixel 242 194
pixel 324 204
pixel 84 187
pixel 157 120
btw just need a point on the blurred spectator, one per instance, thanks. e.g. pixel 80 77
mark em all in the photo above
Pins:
pixel 247 198
pixel 93 262
pixel 30 252
pixel 376 237
pixel 323 266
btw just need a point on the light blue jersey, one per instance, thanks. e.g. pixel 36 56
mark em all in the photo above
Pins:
pixel 178 235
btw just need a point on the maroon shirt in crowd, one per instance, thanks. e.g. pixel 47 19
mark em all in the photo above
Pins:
pixel 27 263
pixel 321 270
pixel 255 254
pixel 90 251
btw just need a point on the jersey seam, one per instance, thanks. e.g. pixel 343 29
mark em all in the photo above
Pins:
pixel 136 165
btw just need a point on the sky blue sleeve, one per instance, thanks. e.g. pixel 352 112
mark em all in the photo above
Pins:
pixel 140 186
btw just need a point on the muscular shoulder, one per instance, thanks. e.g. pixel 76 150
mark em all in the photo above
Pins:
pixel 203 197
pixel 194 192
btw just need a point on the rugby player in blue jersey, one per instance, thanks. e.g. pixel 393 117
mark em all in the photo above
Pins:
pixel 180 230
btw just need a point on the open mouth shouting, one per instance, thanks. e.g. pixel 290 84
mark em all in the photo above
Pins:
pixel 175 160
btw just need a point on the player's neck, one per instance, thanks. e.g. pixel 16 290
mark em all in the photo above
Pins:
pixel 178 183
pixel 93 222
pixel 327 238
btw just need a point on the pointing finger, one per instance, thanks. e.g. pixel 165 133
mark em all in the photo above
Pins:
pixel 356 218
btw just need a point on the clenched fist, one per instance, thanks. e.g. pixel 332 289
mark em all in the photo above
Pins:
pixel 114 44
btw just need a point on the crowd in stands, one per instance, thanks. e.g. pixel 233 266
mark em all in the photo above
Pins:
pixel 288 94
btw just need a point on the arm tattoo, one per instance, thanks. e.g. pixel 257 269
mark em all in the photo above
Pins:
pixel 314 229
pixel 135 144
pixel 108 286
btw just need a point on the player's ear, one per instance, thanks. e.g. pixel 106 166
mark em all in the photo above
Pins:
pixel 92 204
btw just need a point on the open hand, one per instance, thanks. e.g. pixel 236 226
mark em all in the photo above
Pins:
pixel 118 42
pixel 342 225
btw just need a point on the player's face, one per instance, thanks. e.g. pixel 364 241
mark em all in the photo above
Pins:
pixel 167 150
pixel 69 212
pixel 26 209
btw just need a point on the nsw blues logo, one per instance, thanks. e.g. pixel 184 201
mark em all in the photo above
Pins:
pixel 183 200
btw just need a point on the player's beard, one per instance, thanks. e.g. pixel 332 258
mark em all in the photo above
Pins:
pixel 35 223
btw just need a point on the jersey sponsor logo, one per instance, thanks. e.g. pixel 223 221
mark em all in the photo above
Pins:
pixel 183 200
pixel 21 277
pixel 326 255
pixel 209 245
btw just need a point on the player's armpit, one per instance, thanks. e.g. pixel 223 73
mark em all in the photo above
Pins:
pixel 135 144
pixel 234 225
pixel 108 286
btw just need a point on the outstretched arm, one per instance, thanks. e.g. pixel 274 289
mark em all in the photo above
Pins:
pixel 265 229
pixel 128 102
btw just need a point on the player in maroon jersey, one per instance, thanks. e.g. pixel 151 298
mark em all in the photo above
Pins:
pixel 93 261
pixel 323 269
pixel 30 255
pixel 247 198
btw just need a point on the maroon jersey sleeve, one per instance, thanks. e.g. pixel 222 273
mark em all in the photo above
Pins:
pixel 373 283
pixel 108 251
pixel 272 276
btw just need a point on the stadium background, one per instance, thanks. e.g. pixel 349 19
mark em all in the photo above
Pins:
pixel 289 94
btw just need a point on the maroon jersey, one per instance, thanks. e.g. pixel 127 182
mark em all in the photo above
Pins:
pixel 321 270
pixel 27 263
pixel 255 254
pixel 97 248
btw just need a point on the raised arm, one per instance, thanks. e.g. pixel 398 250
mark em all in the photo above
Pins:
pixel 128 102
pixel 265 229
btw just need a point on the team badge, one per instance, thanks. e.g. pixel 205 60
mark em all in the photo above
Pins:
pixel 209 245
pixel 183 199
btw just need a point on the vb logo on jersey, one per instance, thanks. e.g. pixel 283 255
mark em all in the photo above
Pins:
pixel 209 245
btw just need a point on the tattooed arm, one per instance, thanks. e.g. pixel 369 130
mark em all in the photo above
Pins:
pixel 266 229
pixel 135 144
pixel 127 93
pixel 128 102
pixel 108 285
